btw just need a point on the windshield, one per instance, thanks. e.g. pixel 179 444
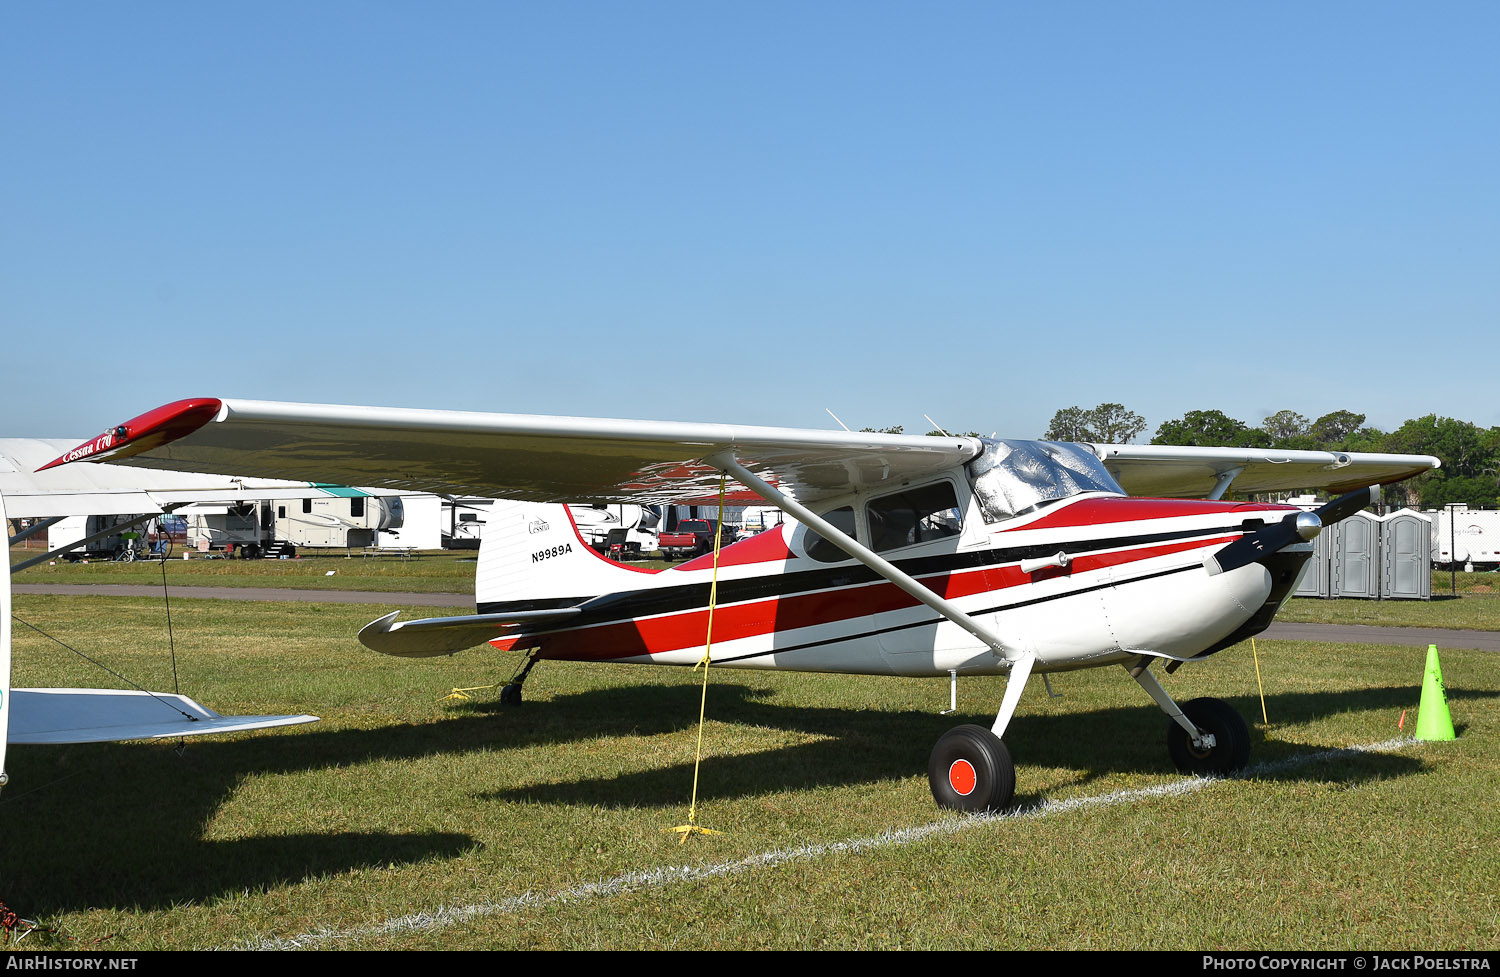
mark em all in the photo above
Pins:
pixel 1012 477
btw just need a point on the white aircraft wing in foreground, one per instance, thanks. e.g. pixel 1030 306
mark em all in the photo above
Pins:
pixel 53 716
pixel 910 555
pixel 49 716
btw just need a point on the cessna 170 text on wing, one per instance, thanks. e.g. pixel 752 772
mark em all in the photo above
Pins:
pixel 911 556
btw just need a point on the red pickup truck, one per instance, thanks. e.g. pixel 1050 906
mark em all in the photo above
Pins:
pixel 693 537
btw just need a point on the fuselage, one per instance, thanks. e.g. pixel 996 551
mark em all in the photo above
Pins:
pixel 1087 580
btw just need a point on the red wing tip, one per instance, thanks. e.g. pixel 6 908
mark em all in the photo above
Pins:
pixel 150 430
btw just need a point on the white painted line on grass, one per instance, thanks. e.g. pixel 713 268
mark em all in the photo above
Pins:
pixel 446 916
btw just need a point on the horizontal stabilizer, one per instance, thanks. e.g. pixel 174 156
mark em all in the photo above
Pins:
pixel 55 716
pixel 435 636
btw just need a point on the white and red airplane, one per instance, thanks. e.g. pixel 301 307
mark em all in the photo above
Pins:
pixel 912 555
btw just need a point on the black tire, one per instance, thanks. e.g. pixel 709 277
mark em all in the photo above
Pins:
pixel 971 770
pixel 1232 747
pixel 510 695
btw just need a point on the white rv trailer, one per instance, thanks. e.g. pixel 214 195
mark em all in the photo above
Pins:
pixel 631 527
pixel 344 518
pixel 1468 538
pixel 462 522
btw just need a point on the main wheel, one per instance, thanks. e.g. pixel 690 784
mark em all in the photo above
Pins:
pixel 1232 738
pixel 971 770
pixel 510 695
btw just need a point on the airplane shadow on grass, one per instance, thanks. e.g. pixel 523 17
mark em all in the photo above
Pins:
pixel 863 747
pixel 124 826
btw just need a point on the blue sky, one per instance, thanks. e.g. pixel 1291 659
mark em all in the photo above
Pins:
pixel 704 211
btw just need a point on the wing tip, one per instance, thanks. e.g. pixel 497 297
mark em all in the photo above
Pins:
pixel 150 430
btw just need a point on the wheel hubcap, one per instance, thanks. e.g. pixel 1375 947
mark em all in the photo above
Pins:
pixel 961 777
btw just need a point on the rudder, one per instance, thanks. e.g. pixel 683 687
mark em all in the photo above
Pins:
pixel 531 557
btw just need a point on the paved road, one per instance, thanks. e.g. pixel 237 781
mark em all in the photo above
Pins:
pixel 1349 633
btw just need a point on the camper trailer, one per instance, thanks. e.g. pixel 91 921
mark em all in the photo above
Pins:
pixel 625 531
pixel 129 544
pixel 463 521
pixel 1466 538
pixel 278 527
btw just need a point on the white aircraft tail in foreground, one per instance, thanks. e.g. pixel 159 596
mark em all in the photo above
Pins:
pixel 910 555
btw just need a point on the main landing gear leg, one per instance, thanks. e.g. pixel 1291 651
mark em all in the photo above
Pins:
pixel 970 768
pixel 1205 736
pixel 511 694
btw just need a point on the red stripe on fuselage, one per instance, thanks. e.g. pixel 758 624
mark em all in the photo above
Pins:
pixel 686 629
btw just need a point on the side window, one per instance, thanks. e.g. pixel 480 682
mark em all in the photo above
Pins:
pixel 915 516
pixel 356 508
pixel 307 505
pixel 823 551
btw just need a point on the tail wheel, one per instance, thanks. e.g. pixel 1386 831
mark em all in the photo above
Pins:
pixel 971 770
pixel 1231 749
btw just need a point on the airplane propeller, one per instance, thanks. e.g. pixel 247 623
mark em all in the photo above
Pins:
pixel 1295 527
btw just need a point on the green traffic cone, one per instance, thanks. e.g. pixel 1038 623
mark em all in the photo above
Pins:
pixel 1433 721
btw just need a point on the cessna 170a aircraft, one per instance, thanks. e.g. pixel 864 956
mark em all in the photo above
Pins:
pixel 911 555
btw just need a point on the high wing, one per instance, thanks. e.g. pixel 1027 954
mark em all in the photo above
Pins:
pixel 99 490
pixel 574 459
pixel 513 456
pixel 1169 471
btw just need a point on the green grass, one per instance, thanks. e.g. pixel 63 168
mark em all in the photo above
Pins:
pixel 430 572
pixel 1475 612
pixel 1462 584
pixel 433 571
pixel 399 802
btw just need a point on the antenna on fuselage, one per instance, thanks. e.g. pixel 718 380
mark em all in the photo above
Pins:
pixel 836 418
pixel 938 427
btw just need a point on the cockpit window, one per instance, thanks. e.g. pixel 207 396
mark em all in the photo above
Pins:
pixel 1013 477
pixel 823 551
pixel 914 516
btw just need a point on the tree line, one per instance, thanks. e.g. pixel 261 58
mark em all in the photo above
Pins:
pixel 1470 453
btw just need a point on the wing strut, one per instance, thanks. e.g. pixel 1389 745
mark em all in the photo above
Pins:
pixel 1222 480
pixel 1010 651
pixel 36 527
pixel 112 530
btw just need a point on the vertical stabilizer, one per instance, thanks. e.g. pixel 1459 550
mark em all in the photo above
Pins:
pixel 531 557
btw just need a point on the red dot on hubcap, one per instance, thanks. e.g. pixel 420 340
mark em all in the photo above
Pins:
pixel 961 777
